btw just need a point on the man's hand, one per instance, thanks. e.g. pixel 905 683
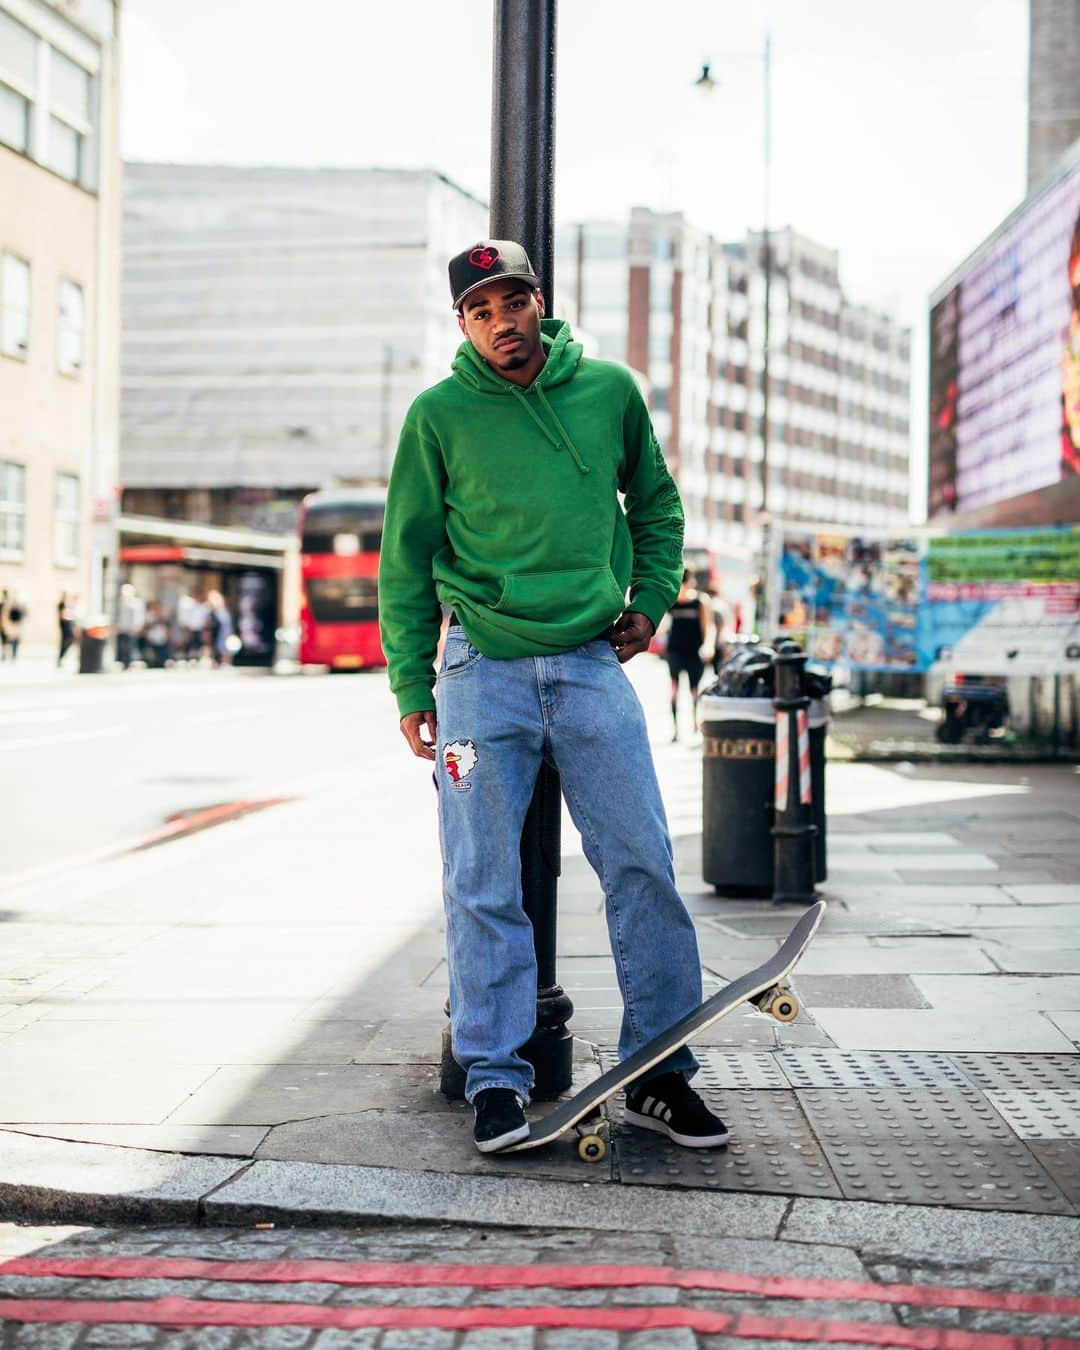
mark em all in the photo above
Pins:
pixel 412 725
pixel 631 634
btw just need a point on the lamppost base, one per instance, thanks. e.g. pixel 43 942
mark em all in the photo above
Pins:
pixel 550 1051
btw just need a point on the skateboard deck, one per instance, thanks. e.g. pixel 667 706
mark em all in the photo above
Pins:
pixel 762 986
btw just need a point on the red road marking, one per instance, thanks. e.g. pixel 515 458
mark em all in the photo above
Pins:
pixel 393 1273
pixel 180 1312
pixel 192 822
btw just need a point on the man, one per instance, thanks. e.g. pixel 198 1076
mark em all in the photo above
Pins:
pixel 503 504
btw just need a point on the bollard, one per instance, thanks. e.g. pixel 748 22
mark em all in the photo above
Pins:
pixel 794 831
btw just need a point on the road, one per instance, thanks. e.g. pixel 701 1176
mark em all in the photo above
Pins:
pixel 92 762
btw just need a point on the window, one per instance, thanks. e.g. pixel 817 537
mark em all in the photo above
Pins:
pixel 70 114
pixel 59 134
pixel 66 520
pixel 14 119
pixel 12 509
pixel 70 329
pixel 14 305
pixel 18 79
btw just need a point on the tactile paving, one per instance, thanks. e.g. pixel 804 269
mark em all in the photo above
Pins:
pixel 819 1068
pixel 927 1145
pixel 732 1069
pixel 1040 1115
pixel 772 1148
pixel 1061 1158
pixel 1032 1072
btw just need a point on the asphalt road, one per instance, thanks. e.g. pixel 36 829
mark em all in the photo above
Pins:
pixel 92 762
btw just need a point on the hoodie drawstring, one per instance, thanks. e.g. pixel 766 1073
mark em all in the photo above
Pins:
pixel 523 399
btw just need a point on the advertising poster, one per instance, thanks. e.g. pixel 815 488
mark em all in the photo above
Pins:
pixel 1003 602
pixel 990 602
pixel 1005 360
pixel 851 598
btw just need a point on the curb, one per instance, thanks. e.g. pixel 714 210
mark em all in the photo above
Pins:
pixel 45 1180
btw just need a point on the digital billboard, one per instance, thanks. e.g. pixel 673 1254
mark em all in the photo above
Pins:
pixel 1005 359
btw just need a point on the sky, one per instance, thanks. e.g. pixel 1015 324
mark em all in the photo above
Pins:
pixel 898 130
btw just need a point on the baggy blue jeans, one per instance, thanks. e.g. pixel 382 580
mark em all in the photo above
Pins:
pixel 497 720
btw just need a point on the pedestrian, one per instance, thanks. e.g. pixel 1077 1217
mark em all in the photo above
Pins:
pixel 67 615
pixel 219 628
pixel 192 617
pixel 130 619
pixel 503 504
pixel 155 641
pixel 12 618
pixel 688 630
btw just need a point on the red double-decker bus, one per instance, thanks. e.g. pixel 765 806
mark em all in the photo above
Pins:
pixel 340 538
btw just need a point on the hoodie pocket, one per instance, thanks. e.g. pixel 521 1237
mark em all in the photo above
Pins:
pixel 560 597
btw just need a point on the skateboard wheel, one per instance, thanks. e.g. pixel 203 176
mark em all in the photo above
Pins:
pixel 591 1148
pixel 784 1006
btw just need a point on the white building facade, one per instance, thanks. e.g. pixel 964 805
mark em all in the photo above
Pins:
pixel 59 305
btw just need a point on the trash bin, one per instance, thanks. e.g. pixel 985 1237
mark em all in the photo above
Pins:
pixel 92 643
pixel 739 769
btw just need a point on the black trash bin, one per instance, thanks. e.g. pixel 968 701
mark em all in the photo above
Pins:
pixel 739 767
pixel 92 644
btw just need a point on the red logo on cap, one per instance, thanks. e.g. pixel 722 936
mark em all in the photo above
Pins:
pixel 484 257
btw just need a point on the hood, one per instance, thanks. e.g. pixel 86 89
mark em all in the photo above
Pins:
pixel 563 355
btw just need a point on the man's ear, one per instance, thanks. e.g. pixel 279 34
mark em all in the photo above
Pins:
pixel 461 322
pixel 540 302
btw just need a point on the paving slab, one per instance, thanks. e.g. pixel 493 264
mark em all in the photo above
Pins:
pixel 929 1146
pixel 312 1192
pixel 1046 895
pixel 1068 1023
pixel 895 956
pixel 429 1141
pixel 1037 961
pixel 229 1141
pixel 864 990
pixel 136 1091
pixel 946 864
pixel 272 1095
pixel 54 1179
pixel 969 1028
pixel 1041 1113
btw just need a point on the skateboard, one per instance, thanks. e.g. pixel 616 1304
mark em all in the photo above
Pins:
pixel 762 987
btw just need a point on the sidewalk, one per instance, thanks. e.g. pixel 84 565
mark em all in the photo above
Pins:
pixel 246 1023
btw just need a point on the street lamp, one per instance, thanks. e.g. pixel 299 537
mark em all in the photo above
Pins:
pixel 707 83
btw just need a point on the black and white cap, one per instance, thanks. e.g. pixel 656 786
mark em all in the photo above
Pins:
pixel 484 263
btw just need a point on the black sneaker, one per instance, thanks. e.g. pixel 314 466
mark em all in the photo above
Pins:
pixel 669 1105
pixel 500 1120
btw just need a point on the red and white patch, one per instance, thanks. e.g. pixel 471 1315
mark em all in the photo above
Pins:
pixel 459 760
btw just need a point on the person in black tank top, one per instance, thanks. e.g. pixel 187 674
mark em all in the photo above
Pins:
pixel 688 627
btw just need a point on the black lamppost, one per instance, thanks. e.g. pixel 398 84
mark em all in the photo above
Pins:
pixel 522 208
pixel 706 81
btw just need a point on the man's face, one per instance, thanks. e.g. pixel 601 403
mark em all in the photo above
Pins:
pixel 502 321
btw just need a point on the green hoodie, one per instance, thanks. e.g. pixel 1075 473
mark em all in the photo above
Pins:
pixel 503 503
